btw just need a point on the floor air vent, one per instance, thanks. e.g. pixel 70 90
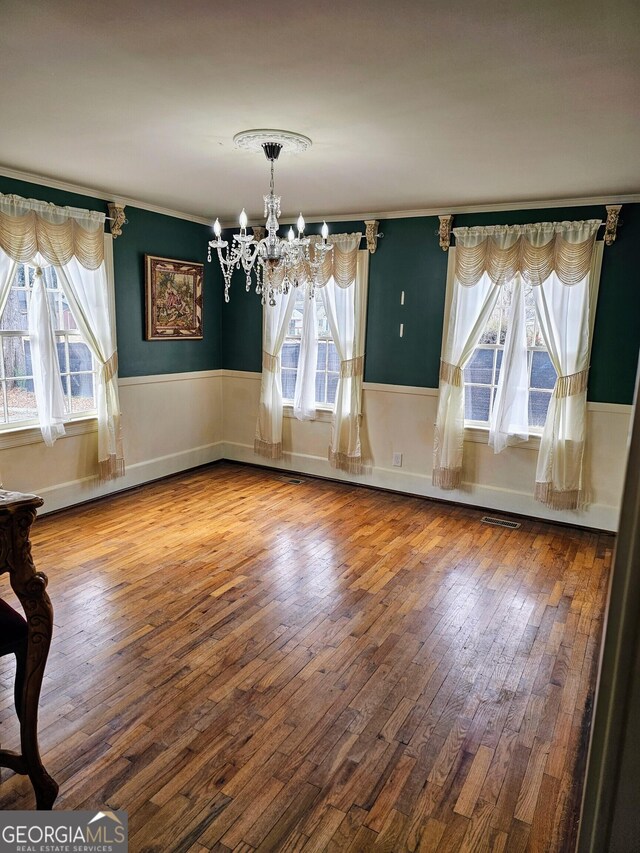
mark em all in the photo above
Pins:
pixel 500 522
pixel 293 481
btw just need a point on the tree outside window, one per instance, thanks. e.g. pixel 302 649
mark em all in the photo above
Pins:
pixel 482 373
pixel 77 369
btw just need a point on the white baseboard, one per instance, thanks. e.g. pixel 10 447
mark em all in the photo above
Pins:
pixel 597 516
pixel 75 492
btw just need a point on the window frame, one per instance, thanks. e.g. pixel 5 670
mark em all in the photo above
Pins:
pixel 321 408
pixel 478 431
pixel 534 430
pixel 16 434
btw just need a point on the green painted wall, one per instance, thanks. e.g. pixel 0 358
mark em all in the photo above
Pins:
pixel 154 234
pixel 241 327
pixel 408 258
pixel 421 273
pixel 616 337
pixel 168 237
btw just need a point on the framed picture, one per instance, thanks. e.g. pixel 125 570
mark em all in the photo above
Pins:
pixel 173 299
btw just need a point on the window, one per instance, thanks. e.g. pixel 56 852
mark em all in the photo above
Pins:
pixel 327 364
pixel 77 368
pixel 482 373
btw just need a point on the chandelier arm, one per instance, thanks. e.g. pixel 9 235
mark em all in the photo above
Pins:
pixel 226 264
pixel 244 255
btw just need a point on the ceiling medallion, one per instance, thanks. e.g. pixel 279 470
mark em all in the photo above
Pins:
pixel 253 140
pixel 277 264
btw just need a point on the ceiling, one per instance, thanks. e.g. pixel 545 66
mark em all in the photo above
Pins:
pixel 410 105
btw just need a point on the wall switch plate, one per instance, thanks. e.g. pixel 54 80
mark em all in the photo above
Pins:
pixel 397 460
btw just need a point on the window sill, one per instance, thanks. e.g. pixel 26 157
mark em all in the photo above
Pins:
pixel 19 436
pixel 323 415
pixel 480 435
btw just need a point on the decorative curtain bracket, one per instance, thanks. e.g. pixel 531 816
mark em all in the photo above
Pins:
pixel 372 234
pixel 116 218
pixel 444 231
pixel 611 225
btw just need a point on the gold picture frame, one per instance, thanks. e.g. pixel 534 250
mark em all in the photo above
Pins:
pixel 173 303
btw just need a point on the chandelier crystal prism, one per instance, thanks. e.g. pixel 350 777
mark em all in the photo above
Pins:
pixel 277 264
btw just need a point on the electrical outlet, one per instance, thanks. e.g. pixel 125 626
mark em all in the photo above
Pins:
pixel 397 460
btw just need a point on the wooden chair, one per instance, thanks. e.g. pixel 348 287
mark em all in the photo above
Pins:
pixel 27 638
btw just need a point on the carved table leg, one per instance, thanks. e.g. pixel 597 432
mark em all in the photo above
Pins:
pixel 30 587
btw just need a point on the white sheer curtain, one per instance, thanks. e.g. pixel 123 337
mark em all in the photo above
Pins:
pixel 7 272
pixel 304 399
pixel 509 422
pixel 45 366
pixel 47 383
pixel 470 310
pixel 92 309
pixel 565 315
pixel 346 309
pixel 73 241
pixel 275 321
pixel 556 259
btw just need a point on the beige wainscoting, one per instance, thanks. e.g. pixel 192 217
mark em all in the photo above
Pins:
pixel 179 421
pixel 400 419
pixel 170 423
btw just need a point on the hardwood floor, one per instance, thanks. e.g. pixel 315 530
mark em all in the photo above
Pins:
pixel 247 664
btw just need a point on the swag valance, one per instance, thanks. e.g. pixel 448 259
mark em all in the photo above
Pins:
pixel 560 259
pixel 341 264
pixel 534 251
pixel 58 234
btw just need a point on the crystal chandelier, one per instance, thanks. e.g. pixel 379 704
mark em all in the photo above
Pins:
pixel 277 264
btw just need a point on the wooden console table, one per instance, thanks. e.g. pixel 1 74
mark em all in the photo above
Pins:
pixel 17 512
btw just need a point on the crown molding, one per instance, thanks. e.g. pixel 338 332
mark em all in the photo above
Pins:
pixel 54 183
pixel 584 201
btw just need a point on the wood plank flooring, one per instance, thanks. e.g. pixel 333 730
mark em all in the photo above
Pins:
pixel 247 664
